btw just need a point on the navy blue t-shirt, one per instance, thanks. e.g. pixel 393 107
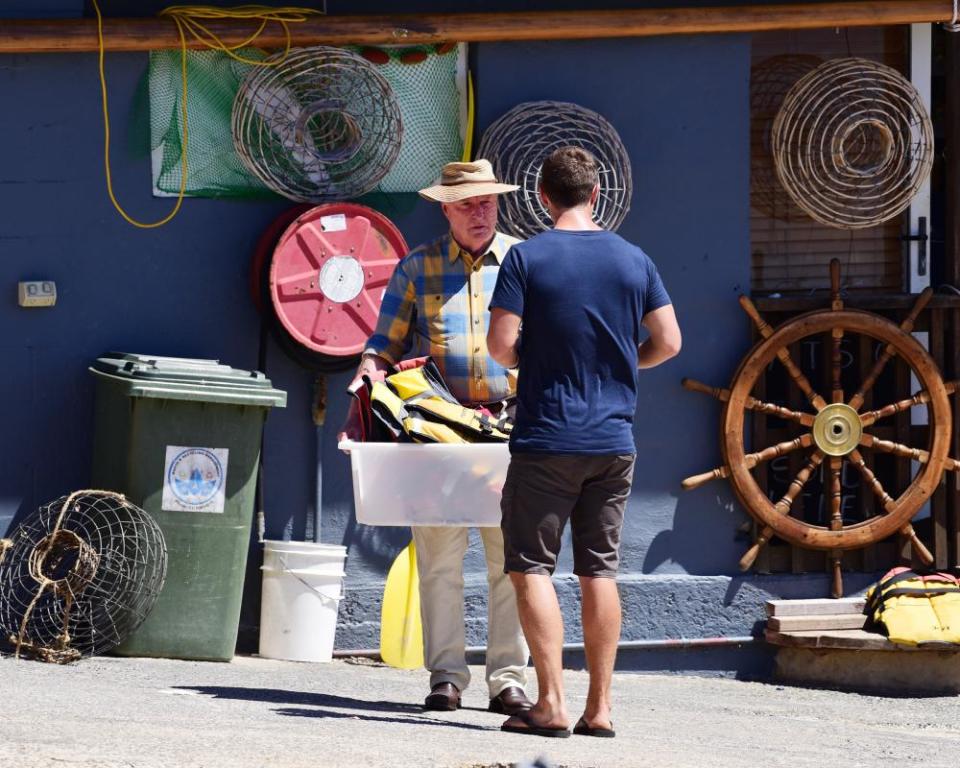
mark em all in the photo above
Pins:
pixel 582 297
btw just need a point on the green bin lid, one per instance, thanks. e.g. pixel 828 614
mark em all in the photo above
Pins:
pixel 180 378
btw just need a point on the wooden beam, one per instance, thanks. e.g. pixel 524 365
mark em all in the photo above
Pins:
pixel 80 35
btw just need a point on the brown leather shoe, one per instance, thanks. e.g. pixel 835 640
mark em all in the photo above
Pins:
pixel 444 697
pixel 510 701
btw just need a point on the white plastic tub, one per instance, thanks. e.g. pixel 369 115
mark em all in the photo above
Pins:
pixel 433 484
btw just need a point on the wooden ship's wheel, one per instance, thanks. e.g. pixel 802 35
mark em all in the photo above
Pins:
pixel 837 431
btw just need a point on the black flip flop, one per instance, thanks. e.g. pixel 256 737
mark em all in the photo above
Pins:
pixel 533 729
pixel 582 729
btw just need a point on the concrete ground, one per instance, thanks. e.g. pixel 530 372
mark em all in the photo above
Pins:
pixel 112 712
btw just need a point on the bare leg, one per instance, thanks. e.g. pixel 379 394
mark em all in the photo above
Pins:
pixel 601 633
pixel 543 627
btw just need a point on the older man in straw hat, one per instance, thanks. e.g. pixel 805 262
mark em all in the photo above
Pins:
pixel 436 304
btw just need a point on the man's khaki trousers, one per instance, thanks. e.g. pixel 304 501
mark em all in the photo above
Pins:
pixel 440 553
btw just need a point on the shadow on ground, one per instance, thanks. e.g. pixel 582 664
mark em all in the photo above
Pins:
pixel 411 714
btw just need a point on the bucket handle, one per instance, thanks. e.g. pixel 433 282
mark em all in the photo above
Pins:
pixel 284 566
pixel 332 602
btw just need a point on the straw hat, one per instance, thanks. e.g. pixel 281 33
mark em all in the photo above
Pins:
pixel 458 181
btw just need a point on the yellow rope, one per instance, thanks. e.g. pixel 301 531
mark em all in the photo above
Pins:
pixel 187 20
pixel 190 19
pixel 468 134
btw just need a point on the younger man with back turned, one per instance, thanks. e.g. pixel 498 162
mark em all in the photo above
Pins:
pixel 583 296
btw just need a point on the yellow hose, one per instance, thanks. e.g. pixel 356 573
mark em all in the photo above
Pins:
pixel 188 20
pixel 468 137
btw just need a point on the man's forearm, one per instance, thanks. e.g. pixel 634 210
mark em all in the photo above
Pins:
pixel 650 354
pixel 507 357
pixel 503 337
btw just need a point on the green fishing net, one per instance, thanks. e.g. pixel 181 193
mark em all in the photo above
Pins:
pixel 429 87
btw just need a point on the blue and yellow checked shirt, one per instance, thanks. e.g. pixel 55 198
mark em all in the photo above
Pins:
pixel 436 304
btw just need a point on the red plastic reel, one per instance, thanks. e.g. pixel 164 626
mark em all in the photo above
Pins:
pixel 263 251
pixel 329 273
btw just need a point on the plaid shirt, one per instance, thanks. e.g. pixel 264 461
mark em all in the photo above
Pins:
pixel 436 304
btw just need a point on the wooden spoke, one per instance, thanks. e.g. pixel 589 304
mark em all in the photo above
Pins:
pixel 751 460
pixel 836 360
pixel 836 304
pixel 750 556
pixel 695 481
pixel 889 351
pixel 782 507
pixel 856 458
pixel 898 449
pixel 783 355
pixel 920 398
pixel 796 485
pixel 836 565
pixel 922 552
pixel 916 454
pixel 751 309
pixel 806 419
pixel 857 400
pixel 800 380
pixel 836 493
pixel 692 385
pixel 780 449
pixel 751 404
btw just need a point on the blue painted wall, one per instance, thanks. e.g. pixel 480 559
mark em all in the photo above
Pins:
pixel 681 107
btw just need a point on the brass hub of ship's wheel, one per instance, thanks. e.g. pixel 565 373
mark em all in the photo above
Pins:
pixel 834 431
pixel 837 429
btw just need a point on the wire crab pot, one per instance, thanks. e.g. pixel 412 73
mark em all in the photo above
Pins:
pixel 853 143
pixel 518 143
pixel 317 124
pixel 78 576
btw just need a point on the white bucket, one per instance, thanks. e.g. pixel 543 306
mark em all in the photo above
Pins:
pixel 304 556
pixel 302 587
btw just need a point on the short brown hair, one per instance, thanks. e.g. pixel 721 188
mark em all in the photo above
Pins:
pixel 569 175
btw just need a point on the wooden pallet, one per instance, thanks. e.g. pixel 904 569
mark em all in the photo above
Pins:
pixel 826 615
pixel 824 643
pixel 827 623
pixel 815 607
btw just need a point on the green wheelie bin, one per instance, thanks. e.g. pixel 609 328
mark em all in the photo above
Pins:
pixel 181 439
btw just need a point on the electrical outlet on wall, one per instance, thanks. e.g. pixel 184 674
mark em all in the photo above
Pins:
pixel 37 293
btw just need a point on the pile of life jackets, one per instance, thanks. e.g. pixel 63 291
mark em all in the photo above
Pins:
pixel 913 607
pixel 414 405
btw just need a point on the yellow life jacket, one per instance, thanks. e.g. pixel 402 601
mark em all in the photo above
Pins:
pixel 416 404
pixel 913 608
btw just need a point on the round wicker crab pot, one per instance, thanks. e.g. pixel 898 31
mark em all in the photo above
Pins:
pixel 852 143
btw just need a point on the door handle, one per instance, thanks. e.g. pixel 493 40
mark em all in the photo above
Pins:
pixel 921 238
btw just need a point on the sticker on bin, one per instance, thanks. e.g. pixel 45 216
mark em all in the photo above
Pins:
pixel 194 479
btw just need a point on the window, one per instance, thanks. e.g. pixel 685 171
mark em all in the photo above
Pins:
pixel 790 252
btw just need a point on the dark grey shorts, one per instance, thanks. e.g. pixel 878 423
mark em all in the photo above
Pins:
pixel 543 491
